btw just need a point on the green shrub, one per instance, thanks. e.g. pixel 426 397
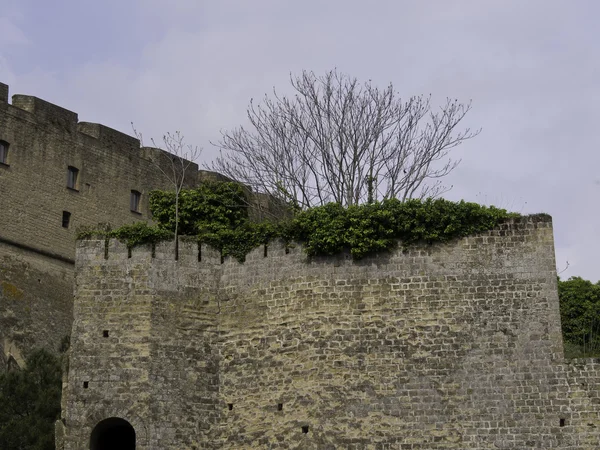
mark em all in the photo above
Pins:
pixel 217 213
pixel 30 403
pixel 580 316
pixel 211 203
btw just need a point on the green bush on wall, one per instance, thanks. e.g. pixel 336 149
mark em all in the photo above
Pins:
pixel 217 214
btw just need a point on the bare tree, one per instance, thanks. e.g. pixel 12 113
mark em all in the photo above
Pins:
pixel 173 160
pixel 340 141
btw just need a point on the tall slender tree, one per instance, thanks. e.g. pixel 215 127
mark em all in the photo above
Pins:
pixel 173 160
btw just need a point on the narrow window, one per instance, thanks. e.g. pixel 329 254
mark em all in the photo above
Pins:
pixel 105 333
pixel 305 428
pixel 4 153
pixel 73 178
pixel 134 201
pixel 561 422
pixel 66 219
pixel 86 384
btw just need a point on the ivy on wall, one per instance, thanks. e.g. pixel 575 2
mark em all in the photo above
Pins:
pixel 217 214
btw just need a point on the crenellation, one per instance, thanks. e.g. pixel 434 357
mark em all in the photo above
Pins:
pixel 109 136
pixel 3 92
pixel 46 111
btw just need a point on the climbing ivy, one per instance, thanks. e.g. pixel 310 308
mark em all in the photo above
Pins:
pixel 217 213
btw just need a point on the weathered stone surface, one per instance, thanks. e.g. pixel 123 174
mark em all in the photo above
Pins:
pixel 44 140
pixel 453 346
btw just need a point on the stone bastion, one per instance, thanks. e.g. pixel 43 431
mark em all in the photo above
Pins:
pixel 445 346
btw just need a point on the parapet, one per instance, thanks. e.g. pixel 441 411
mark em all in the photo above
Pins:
pixel 45 110
pixel 208 175
pixel 3 92
pixel 106 135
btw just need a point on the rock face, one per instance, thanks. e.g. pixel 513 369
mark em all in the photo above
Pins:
pixel 454 346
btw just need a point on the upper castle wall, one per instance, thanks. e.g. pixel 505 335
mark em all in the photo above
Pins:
pixel 45 140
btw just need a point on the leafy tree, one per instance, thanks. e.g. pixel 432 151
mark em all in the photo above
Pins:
pixel 30 403
pixel 580 314
pixel 337 140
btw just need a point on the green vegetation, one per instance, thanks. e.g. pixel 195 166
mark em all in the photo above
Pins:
pixel 217 214
pixel 30 403
pixel 580 317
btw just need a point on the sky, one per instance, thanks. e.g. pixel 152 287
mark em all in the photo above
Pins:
pixel 531 69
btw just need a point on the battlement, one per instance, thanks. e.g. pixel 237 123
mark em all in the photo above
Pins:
pixel 536 229
pixel 109 136
pixel 45 110
pixel 3 92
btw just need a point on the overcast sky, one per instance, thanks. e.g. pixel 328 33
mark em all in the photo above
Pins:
pixel 531 68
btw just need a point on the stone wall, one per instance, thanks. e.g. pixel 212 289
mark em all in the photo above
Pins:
pixel 44 141
pixel 438 347
pixel 36 302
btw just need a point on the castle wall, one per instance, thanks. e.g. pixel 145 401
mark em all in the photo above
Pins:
pixel 44 141
pixel 158 367
pixel 432 344
pixel 438 347
pixel 36 302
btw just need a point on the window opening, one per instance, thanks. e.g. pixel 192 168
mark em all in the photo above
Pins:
pixel 73 178
pixel 66 219
pixel 4 153
pixel 305 429
pixel 134 201
pixel 105 333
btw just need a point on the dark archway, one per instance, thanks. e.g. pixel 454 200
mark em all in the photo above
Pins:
pixel 113 434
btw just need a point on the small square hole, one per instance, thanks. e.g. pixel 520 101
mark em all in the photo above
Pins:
pixel 279 406
pixel 229 406
pixel 86 384
pixel 105 333
pixel 305 429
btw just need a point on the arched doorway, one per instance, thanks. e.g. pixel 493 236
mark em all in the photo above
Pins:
pixel 113 434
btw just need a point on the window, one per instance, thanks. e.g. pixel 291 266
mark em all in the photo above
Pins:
pixel 73 178
pixel 66 219
pixel 134 201
pixel 4 152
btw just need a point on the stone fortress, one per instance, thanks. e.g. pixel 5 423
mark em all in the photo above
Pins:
pixel 448 346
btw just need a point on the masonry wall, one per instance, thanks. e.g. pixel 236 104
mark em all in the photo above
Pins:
pixel 158 366
pixel 36 302
pixel 426 349
pixel 44 141
pixel 439 347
